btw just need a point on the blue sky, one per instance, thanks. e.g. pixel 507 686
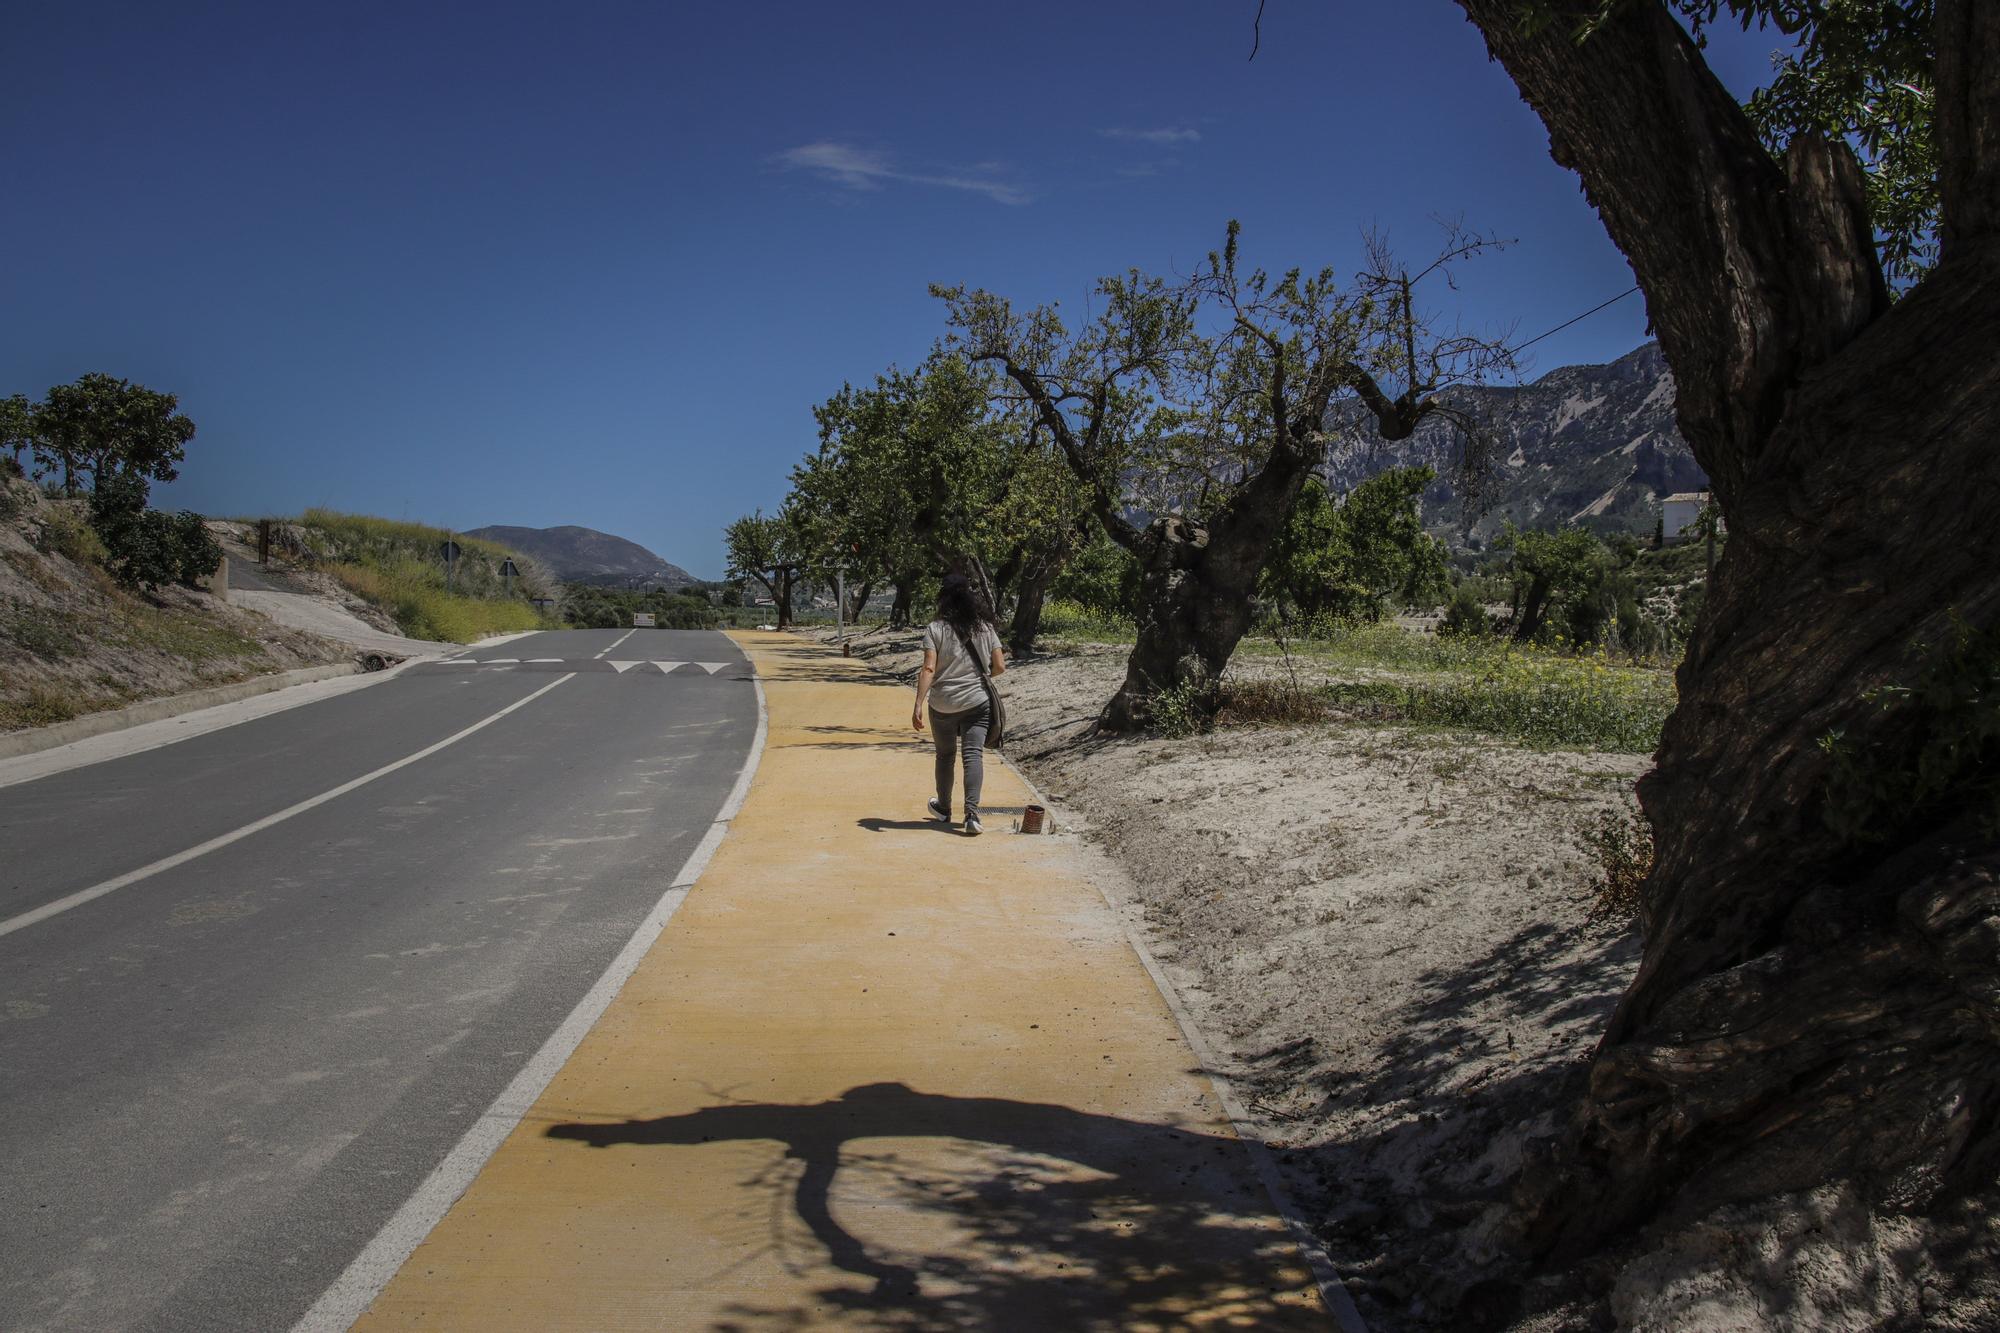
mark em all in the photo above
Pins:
pixel 594 263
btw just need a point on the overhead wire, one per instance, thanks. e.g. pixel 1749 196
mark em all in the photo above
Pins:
pixel 1566 323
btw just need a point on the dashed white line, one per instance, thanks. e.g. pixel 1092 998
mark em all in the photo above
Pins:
pixel 621 638
pixel 126 880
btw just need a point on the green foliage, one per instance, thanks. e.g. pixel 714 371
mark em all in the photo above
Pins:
pixel 1621 844
pixel 588 607
pixel 1547 698
pixel 66 531
pixel 1938 752
pixel 1466 614
pixel 1356 559
pixel 1862 71
pixel 17 430
pixel 145 547
pixel 107 427
pixel 397 566
pixel 1545 704
pixel 1063 619
pixel 1183 709
pixel 413 592
pixel 1101 579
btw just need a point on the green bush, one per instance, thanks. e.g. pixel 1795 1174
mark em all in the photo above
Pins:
pixel 1466 616
pixel 145 547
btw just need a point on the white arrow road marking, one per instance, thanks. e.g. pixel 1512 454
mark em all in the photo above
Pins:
pixel 622 667
pixel 82 896
pixel 667 667
pixel 711 667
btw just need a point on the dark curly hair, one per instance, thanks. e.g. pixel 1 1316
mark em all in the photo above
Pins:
pixel 960 605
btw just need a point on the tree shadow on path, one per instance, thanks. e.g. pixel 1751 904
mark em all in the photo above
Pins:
pixel 1035 1216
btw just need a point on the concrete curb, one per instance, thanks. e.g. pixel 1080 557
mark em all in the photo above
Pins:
pixel 38 739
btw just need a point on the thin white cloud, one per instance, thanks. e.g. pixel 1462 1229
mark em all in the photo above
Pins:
pixel 1169 134
pixel 865 169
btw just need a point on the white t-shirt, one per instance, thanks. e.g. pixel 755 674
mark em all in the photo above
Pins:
pixel 957 688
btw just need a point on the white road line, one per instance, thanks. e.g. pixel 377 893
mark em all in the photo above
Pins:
pixel 356 1289
pixel 621 638
pixel 95 891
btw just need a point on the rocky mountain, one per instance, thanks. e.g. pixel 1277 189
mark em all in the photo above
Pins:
pixel 585 555
pixel 1591 445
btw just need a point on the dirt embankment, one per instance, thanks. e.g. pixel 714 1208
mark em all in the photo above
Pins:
pixel 1387 933
pixel 73 642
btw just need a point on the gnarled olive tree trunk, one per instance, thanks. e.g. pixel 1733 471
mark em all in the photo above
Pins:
pixel 1809 1005
pixel 1197 587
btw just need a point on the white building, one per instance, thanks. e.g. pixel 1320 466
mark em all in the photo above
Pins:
pixel 1680 510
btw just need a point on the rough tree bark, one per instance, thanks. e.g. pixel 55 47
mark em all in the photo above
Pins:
pixel 1026 625
pixel 1806 1008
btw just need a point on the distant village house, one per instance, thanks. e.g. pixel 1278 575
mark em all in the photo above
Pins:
pixel 1680 511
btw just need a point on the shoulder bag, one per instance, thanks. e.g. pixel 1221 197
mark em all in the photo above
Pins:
pixel 996 730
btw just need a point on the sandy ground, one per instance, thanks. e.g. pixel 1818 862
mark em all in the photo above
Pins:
pixel 1386 933
pixel 1383 929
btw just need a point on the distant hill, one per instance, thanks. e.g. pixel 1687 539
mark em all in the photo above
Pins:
pixel 585 555
pixel 1593 445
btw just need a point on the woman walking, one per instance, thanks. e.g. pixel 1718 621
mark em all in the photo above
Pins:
pixel 957 645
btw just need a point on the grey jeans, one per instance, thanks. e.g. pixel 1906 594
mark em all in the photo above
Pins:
pixel 966 733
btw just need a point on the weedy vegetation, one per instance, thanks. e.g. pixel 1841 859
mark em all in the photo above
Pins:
pixel 397 567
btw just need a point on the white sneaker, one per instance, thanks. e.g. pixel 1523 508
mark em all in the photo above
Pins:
pixel 972 826
pixel 938 812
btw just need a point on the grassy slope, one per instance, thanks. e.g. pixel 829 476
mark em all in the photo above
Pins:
pixel 396 566
pixel 72 642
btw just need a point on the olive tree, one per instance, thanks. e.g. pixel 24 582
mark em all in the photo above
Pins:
pixel 1193 411
pixel 1819 996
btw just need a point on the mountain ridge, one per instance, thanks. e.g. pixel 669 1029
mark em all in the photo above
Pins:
pixel 578 554
pixel 1593 445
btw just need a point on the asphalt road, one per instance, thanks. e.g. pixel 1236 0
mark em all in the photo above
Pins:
pixel 219 1079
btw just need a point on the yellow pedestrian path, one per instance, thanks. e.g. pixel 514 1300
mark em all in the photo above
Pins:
pixel 873 1075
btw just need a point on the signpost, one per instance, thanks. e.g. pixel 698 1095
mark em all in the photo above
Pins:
pixel 642 620
pixel 449 550
pixel 840 608
pixel 508 569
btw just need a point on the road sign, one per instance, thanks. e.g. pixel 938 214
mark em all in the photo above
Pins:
pixel 449 550
pixel 508 569
pixel 642 620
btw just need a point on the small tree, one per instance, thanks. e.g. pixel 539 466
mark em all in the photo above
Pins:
pixel 1211 401
pixel 104 426
pixel 1554 572
pixel 17 428
pixel 768 550
pixel 1357 558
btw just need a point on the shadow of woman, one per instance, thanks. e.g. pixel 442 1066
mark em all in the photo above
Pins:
pixel 1162 1222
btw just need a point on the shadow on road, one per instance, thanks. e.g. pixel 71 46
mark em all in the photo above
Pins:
pixel 1032 1216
